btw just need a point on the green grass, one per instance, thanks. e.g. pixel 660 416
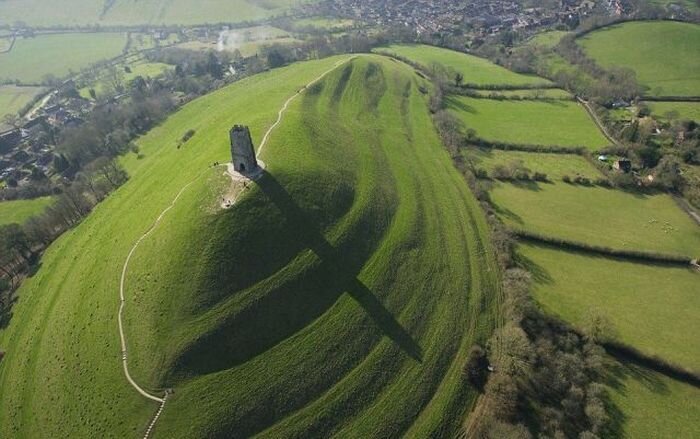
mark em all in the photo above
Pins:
pixel 649 404
pixel 14 98
pixel 542 93
pixel 33 58
pixel 547 39
pixel 650 307
pixel 18 211
pixel 133 12
pixel 560 123
pixel 554 165
pixel 599 216
pixel 321 304
pixel 141 68
pixel 664 54
pixel 675 110
pixel 475 70
pixel 331 24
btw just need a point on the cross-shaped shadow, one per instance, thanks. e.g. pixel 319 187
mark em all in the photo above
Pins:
pixel 292 306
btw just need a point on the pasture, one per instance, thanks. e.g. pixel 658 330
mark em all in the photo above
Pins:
pixel 141 68
pixel 651 307
pixel 135 12
pixel 18 211
pixel 475 70
pixel 675 110
pixel 561 123
pixel 598 216
pixel 664 54
pixel 547 39
pixel 554 165
pixel 33 58
pixel 327 263
pixel 14 98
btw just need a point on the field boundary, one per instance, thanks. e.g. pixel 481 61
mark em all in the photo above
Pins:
pixel 12 44
pixel 671 98
pixel 597 121
pixel 526 147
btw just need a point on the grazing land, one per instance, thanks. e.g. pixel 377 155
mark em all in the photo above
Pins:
pixel 132 12
pixel 651 307
pixel 18 211
pixel 560 123
pixel 676 110
pixel 327 263
pixel 599 216
pixel 547 39
pixel 664 54
pixel 34 58
pixel 555 166
pixel 475 70
pixel 14 98
pixel 651 405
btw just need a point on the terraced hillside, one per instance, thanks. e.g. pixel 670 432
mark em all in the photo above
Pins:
pixel 330 299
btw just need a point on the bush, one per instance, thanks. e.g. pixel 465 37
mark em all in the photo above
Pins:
pixel 481 173
pixel 566 179
pixel 604 182
pixel 582 180
pixel 188 135
pixel 539 176
pixel 476 368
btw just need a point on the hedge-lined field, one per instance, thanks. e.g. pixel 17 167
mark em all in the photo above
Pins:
pixel 561 123
pixel 676 110
pixel 554 165
pixel 650 307
pixel 664 54
pixel 18 211
pixel 599 216
pixel 475 70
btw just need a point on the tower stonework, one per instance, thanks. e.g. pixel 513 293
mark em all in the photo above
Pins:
pixel 242 151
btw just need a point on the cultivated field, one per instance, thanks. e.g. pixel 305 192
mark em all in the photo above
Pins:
pixel 555 166
pixel 328 263
pixel 650 307
pixel 475 70
pixel 14 98
pixel 32 59
pixel 132 12
pixel 18 211
pixel 676 110
pixel 664 54
pixel 560 123
pixel 599 216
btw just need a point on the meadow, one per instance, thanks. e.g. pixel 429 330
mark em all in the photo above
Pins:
pixel 133 12
pixel 140 68
pixel 560 123
pixel 651 307
pixel 18 211
pixel 675 110
pixel 33 58
pixel 664 54
pixel 599 216
pixel 547 39
pixel 555 166
pixel 328 264
pixel 475 70
pixel 14 98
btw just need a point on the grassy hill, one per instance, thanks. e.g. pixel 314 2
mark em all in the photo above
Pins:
pixel 133 12
pixel 475 70
pixel 664 54
pixel 33 58
pixel 331 299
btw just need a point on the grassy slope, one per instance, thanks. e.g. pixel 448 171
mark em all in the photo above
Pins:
pixel 475 70
pixel 19 211
pixel 547 123
pixel 648 404
pixel 33 58
pixel 599 216
pixel 76 12
pixel 665 54
pixel 650 307
pixel 360 208
pixel 684 110
pixel 13 98
pixel 554 165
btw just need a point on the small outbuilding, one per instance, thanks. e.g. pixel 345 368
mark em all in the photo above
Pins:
pixel 622 165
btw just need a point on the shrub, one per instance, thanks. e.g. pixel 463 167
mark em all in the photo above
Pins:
pixel 188 135
pixel 539 176
pixel 566 179
pixel 604 182
pixel 582 180
pixel 476 368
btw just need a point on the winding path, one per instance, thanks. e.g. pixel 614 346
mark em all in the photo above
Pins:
pixel 122 303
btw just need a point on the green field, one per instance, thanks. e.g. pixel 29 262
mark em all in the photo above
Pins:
pixel 547 39
pixel 554 165
pixel 664 54
pixel 541 93
pixel 14 98
pixel 652 405
pixel 328 264
pixel 18 211
pixel 599 216
pixel 141 68
pixel 650 307
pixel 331 24
pixel 559 123
pixel 475 70
pixel 33 58
pixel 132 12
pixel 675 110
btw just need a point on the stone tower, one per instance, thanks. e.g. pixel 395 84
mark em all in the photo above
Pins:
pixel 242 152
